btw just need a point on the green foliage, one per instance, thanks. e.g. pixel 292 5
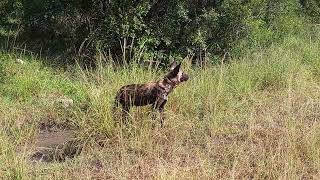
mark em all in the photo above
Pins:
pixel 312 8
pixel 147 30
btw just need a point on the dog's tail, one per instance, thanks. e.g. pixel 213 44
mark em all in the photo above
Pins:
pixel 115 108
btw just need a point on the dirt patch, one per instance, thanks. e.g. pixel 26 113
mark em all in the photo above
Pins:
pixel 55 146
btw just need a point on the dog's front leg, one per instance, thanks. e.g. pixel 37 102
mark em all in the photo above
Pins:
pixel 159 105
pixel 161 110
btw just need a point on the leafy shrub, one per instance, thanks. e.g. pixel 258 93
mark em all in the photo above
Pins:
pixel 147 30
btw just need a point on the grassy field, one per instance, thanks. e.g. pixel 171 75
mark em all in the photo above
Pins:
pixel 253 117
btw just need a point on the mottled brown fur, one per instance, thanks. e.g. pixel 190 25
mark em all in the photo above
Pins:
pixel 154 93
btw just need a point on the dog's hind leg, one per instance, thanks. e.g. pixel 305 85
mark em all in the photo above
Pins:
pixel 122 116
pixel 124 113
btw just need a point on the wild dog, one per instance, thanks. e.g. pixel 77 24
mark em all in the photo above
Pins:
pixel 153 93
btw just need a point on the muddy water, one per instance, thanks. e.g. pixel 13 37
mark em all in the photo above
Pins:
pixel 55 146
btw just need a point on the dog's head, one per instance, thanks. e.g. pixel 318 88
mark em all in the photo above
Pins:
pixel 175 74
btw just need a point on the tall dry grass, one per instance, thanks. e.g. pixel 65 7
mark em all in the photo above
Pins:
pixel 255 117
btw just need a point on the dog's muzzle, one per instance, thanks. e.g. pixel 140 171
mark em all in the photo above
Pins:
pixel 184 77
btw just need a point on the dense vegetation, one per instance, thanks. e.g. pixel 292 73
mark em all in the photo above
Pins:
pixel 251 112
pixel 153 29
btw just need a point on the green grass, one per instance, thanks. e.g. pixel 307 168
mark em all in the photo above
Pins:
pixel 255 117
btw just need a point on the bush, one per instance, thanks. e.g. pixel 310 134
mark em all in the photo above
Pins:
pixel 149 30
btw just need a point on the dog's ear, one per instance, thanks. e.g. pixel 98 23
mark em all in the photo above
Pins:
pixel 174 72
pixel 177 68
pixel 173 65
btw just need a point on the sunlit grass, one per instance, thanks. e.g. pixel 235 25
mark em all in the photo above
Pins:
pixel 254 117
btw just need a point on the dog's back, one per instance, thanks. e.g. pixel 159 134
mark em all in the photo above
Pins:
pixel 137 94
